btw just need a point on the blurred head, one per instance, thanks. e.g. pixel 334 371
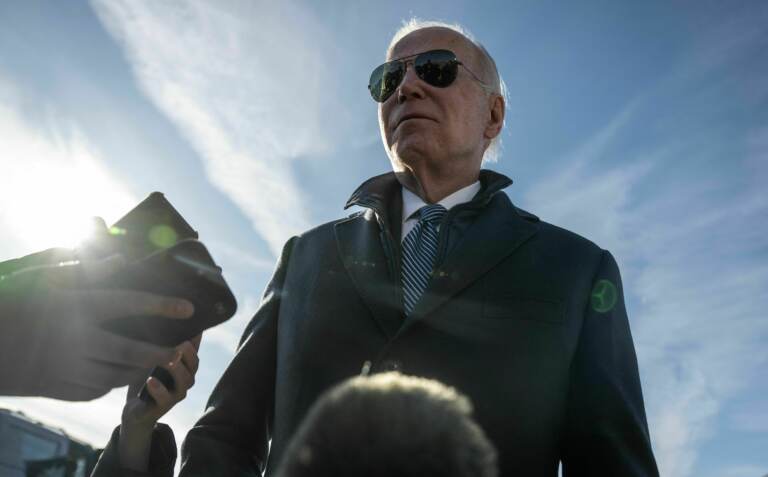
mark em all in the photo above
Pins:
pixel 421 123
pixel 390 425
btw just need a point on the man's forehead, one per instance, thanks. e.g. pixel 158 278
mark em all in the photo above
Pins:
pixel 429 39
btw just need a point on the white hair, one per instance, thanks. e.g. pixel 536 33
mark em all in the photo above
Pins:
pixel 489 71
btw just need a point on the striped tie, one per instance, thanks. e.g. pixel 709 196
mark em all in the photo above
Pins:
pixel 419 250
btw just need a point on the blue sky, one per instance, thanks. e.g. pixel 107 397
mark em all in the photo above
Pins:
pixel 640 125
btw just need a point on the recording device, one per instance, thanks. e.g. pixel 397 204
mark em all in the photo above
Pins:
pixel 165 258
pixel 154 224
pixel 184 270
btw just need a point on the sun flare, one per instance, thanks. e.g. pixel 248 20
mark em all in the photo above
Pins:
pixel 52 187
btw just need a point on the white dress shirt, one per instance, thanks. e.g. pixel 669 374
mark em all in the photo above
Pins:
pixel 412 203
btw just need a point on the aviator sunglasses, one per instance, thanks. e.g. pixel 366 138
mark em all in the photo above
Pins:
pixel 437 68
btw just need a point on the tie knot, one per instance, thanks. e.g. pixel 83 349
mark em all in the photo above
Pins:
pixel 432 213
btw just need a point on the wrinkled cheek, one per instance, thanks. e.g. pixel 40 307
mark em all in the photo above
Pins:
pixel 383 130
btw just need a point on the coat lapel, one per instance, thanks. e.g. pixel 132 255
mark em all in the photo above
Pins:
pixel 361 250
pixel 492 237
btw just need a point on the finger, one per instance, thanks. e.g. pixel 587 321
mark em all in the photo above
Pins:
pixel 112 348
pixel 135 387
pixel 189 356
pixel 196 341
pixel 164 400
pixel 102 374
pixel 68 391
pixel 98 225
pixel 109 304
pixel 95 231
pixel 182 379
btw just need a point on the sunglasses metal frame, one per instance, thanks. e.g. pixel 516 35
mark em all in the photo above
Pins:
pixel 411 59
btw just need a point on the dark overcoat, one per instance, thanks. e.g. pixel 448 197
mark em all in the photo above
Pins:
pixel 524 317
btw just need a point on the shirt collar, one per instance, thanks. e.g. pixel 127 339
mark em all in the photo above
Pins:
pixel 412 202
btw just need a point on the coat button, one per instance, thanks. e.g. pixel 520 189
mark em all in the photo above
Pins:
pixel 391 365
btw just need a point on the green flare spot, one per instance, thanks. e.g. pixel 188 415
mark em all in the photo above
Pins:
pixel 162 236
pixel 604 296
pixel 116 231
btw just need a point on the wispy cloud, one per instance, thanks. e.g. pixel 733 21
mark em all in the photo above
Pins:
pixel 742 471
pixel 753 420
pixel 247 85
pixel 589 200
pixel 236 257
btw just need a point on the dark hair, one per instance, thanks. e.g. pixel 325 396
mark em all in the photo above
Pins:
pixel 390 425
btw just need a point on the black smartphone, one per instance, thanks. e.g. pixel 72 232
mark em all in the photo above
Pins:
pixel 154 224
pixel 184 270
pixel 164 377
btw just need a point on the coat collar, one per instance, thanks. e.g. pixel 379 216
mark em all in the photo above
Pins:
pixel 363 245
pixel 376 191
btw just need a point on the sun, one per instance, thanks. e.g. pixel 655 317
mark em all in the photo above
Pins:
pixel 52 189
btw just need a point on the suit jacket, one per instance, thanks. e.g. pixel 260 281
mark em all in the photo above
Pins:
pixel 526 318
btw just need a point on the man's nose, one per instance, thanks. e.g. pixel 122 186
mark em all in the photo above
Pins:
pixel 411 86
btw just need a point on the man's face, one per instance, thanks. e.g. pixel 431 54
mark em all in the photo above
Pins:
pixel 427 124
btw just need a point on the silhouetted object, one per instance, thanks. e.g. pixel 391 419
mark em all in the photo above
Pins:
pixel 390 425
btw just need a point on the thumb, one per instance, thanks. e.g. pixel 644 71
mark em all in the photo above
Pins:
pixel 196 341
pixel 97 228
pixel 135 387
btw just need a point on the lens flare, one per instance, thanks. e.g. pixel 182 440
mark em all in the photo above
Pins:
pixel 162 236
pixel 604 296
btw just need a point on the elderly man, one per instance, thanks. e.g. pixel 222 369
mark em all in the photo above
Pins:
pixel 440 277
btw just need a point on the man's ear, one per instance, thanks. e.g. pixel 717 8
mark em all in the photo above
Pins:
pixel 496 108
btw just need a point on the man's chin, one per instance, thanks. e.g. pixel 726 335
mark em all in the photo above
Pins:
pixel 408 156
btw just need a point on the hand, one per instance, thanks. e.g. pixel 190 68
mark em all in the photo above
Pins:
pixel 51 343
pixel 139 417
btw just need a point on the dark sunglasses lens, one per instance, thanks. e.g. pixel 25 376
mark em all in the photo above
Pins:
pixel 437 67
pixel 385 79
